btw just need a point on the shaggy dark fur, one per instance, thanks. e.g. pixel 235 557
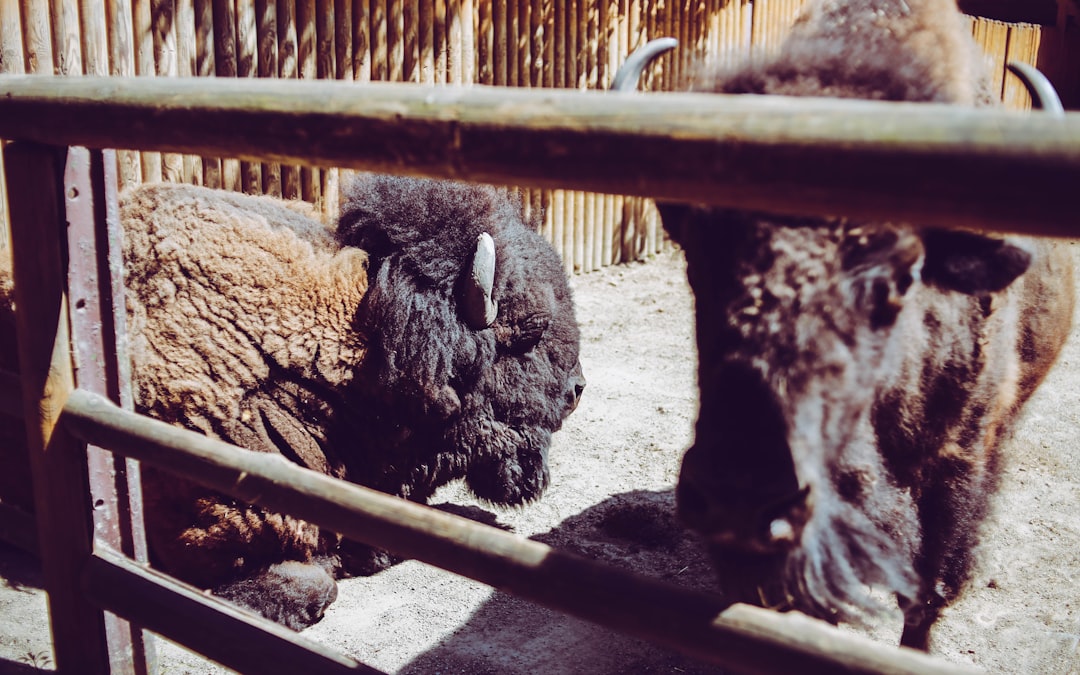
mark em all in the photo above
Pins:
pixel 857 379
pixel 249 322
pixel 479 405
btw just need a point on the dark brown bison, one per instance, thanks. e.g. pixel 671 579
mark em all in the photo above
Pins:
pixel 858 378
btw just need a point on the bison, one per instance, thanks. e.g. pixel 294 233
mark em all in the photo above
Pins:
pixel 358 354
pixel 857 379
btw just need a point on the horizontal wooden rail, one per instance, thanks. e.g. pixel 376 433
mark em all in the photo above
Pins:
pixel 179 612
pixel 924 163
pixel 742 637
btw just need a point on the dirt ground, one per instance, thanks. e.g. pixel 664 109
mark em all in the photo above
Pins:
pixel 614 466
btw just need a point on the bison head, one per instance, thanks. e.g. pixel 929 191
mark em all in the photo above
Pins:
pixel 472 356
pixel 806 330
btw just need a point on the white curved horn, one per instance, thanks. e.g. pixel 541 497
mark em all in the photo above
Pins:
pixel 1043 94
pixel 628 74
pixel 478 308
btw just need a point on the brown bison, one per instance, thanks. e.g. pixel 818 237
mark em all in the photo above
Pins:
pixel 858 378
pixel 431 338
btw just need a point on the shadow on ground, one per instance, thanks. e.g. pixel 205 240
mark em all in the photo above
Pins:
pixel 636 531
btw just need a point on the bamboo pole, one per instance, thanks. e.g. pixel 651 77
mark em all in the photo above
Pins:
pixel 247 65
pixel 343 40
pixel 36 38
pixel 439 45
pixel 577 42
pixel 186 66
pixel 143 48
pixel 206 67
pixel 513 42
pixel 586 210
pixel 266 35
pixel 412 44
pixel 380 58
pixel 485 43
pixel 560 62
pixel 67 50
pixel 1022 46
pixel 395 41
pixel 95 44
pixel 326 69
pixel 994 38
pixel 225 63
pixel 425 36
pixel 288 68
pixel 343 63
pixel 747 11
pixel 470 66
pixel 362 45
pixel 307 69
pixel 558 221
pixel 964 167
pixel 537 39
pixel 696 623
pixel 455 41
pixel 502 55
pixel 164 36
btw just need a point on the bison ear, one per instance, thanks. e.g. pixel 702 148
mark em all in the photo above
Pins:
pixel 971 263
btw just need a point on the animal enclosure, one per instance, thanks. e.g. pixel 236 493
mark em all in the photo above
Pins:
pixel 541 147
pixel 35 109
pixel 575 44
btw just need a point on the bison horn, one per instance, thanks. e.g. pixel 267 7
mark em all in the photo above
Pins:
pixel 1043 94
pixel 626 78
pixel 477 306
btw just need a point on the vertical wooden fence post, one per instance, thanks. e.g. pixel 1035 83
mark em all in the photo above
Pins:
pixel 58 461
pixel 99 348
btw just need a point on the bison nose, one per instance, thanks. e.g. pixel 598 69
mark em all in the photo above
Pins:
pixel 577 387
pixel 739 520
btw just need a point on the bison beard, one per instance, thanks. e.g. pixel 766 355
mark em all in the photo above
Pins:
pixel 857 379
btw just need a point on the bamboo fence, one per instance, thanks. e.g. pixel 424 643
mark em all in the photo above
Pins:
pixel 517 43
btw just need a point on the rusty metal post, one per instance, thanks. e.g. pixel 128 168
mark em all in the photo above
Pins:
pixel 34 176
pixel 99 349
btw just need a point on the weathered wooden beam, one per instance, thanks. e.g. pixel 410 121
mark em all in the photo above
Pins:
pixel 99 348
pixel 1044 12
pixel 58 463
pixel 746 638
pixel 937 164
pixel 197 620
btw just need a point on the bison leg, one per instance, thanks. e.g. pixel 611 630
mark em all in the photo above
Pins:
pixel 919 618
pixel 950 511
pixel 292 593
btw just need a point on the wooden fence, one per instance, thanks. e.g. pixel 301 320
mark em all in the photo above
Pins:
pixel 518 43
pixel 56 193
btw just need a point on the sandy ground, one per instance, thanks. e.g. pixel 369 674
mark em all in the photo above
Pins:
pixel 614 466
